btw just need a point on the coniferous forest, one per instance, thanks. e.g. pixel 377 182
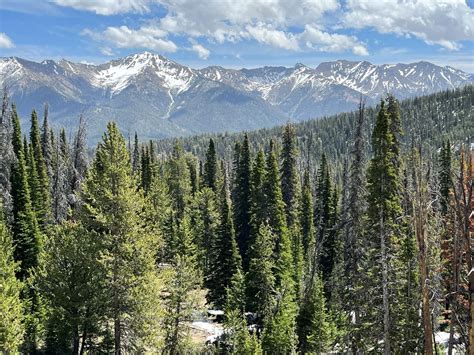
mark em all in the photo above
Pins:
pixel 349 234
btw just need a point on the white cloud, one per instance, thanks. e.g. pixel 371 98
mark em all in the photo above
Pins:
pixel 107 7
pixel 332 42
pixel 266 21
pixel 145 37
pixel 267 35
pixel 5 41
pixel 200 50
pixel 442 22
pixel 107 51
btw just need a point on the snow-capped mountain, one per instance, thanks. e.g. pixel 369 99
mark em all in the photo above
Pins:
pixel 157 97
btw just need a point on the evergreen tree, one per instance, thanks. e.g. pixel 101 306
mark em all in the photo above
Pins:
pixel 258 214
pixel 353 211
pixel 178 181
pixel 306 215
pixel 226 259
pixel 242 198
pixel 260 280
pixel 11 306
pixel 43 205
pixel 324 219
pixel 113 209
pixel 25 233
pixel 205 219
pixel 279 333
pixel 210 167
pixel 275 215
pixel 289 175
pixel 314 331
pixel 47 144
pixel 384 211
pixel 135 155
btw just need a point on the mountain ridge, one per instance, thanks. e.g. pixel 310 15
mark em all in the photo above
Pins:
pixel 158 97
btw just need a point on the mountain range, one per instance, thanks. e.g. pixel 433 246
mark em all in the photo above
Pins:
pixel 157 97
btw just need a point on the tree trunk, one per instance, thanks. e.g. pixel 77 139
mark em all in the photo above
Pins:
pixel 75 339
pixel 118 335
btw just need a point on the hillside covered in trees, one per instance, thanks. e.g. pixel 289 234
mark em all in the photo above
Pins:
pixel 347 234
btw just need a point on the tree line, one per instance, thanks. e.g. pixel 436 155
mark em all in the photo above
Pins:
pixel 117 255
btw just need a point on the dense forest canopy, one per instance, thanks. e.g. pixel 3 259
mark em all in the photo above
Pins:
pixel 352 233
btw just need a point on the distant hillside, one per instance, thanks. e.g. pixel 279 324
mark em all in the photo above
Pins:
pixel 432 119
pixel 159 98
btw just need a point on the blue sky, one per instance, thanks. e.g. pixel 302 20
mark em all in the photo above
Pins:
pixel 241 33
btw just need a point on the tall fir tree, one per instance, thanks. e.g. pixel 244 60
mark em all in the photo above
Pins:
pixel 210 167
pixel 226 259
pixel 384 212
pixel 260 280
pixel 136 154
pixel 306 216
pixel 289 175
pixel 42 200
pixel 353 211
pixel 25 232
pixel 242 200
pixel 179 181
pixel 46 143
pixel 258 214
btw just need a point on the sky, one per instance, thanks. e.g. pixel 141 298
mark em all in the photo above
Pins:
pixel 241 33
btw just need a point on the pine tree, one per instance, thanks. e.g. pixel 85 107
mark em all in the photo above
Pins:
pixel 324 220
pixel 11 306
pixel 226 259
pixel 314 331
pixel 204 215
pixel 279 333
pixel 258 214
pixel 25 233
pixel 46 143
pixel 275 215
pixel 260 280
pixel 136 155
pixel 178 181
pixel 113 209
pixel 41 201
pixel 354 246
pixel 384 210
pixel 306 215
pixel 289 175
pixel 210 167
pixel 27 240
pixel 242 200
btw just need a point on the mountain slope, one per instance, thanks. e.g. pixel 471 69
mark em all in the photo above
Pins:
pixel 157 97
